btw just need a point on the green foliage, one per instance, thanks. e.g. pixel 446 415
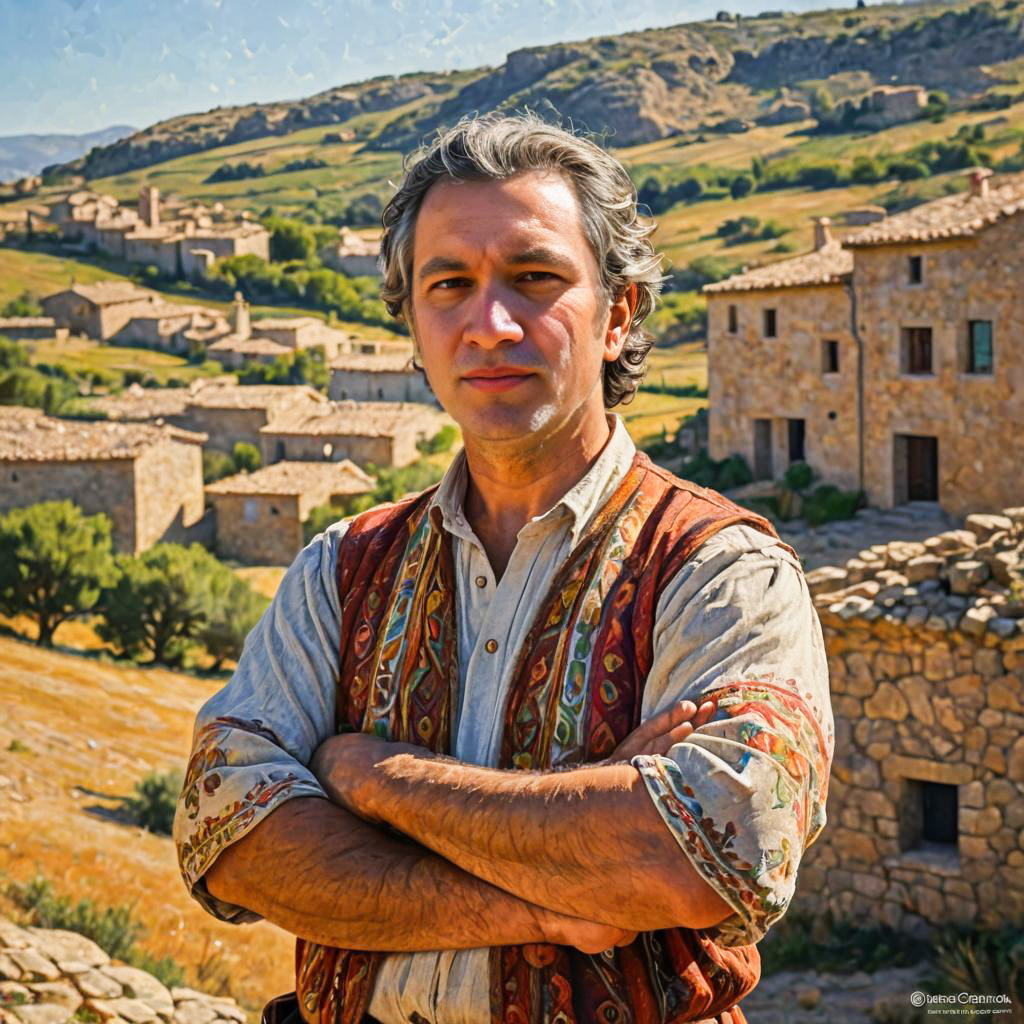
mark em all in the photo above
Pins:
pixel 54 563
pixel 798 476
pixel 236 172
pixel 114 929
pixel 976 960
pixel 290 240
pixel 231 608
pixel 152 806
pixel 798 941
pixel 246 457
pixel 747 228
pixel 362 211
pixel 392 484
pixel 703 270
pixel 719 474
pixel 24 305
pixel 937 106
pixel 24 385
pixel 157 603
pixel 442 441
pixel 742 185
pixel 216 466
pixel 827 503
pixel 310 163
pixel 303 366
pixel 12 355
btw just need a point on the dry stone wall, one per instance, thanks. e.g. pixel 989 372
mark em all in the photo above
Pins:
pixel 49 976
pixel 926 659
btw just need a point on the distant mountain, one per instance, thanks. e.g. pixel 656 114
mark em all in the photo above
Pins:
pixel 22 155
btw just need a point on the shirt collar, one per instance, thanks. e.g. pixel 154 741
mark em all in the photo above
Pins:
pixel 580 502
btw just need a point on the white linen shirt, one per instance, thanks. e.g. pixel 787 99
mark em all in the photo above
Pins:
pixel 739 609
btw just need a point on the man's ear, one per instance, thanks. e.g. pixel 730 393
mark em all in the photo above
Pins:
pixel 620 320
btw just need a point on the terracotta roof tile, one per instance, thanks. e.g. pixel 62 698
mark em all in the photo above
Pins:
pixel 831 264
pixel 297 478
pixel 957 216
pixel 385 362
pixel 254 396
pixel 354 419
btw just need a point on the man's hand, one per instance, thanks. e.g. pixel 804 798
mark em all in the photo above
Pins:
pixel 659 734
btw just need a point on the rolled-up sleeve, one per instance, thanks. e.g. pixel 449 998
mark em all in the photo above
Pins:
pixel 744 795
pixel 253 740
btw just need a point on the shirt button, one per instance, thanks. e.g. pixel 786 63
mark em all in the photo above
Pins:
pixel 491 646
pixel 481 581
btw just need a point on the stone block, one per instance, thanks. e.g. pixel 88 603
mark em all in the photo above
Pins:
pixel 886 702
pixel 1003 628
pixel 62 993
pixel 59 945
pixel 193 1012
pixel 938 663
pixel 1000 792
pixel 983 525
pixel 924 567
pixel 900 767
pixel 973 794
pixel 854 846
pixel 1015 761
pixel 985 821
pixel 975 620
pixel 9 970
pixel 34 965
pixel 988 662
pixel 826 580
pixel 966 576
pixel 918 694
pixel 95 985
pixel 947 715
pixel 13 937
pixel 1006 694
pixel 42 1013
pixel 142 986
pixel 132 1010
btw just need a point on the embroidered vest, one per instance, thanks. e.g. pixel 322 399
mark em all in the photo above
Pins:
pixel 575 695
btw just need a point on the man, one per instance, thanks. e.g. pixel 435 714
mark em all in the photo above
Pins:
pixel 624 670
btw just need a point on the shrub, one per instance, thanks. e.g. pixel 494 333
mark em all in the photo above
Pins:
pixel 152 806
pixel 54 563
pixel 798 476
pixel 828 503
pixel 24 305
pixel 442 441
pixel 246 457
pixel 114 929
pixel 721 475
pixel 236 172
pixel 742 185
pixel 216 466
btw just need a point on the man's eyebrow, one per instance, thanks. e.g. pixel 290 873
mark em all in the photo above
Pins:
pixel 541 254
pixel 440 264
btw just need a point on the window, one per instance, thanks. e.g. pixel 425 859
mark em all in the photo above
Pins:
pixel 770 324
pixel 929 816
pixel 734 320
pixel 830 357
pixel 915 269
pixel 251 510
pixel 979 346
pixel 763 449
pixel 797 434
pixel 917 350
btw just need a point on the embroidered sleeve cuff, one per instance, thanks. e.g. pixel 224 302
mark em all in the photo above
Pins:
pixel 222 802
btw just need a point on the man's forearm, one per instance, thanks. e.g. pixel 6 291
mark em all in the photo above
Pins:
pixel 565 840
pixel 323 874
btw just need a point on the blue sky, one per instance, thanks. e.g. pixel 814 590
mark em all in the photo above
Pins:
pixel 80 65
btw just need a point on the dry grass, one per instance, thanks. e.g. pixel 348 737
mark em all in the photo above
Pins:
pixel 92 730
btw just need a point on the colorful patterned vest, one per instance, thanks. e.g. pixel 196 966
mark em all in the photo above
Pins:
pixel 576 694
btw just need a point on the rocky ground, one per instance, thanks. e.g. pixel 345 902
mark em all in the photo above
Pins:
pixel 836 543
pixel 51 977
pixel 806 997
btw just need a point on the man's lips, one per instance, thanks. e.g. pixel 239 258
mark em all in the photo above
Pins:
pixel 497 378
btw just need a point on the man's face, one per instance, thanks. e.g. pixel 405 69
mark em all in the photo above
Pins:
pixel 508 311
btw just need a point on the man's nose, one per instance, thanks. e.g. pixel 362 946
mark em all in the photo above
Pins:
pixel 491 320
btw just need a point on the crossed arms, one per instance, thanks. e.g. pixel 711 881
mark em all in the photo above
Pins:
pixel 413 852
pixel 498 858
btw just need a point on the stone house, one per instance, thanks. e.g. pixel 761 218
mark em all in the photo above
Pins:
pixel 782 365
pixel 31 327
pixel 232 413
pixel 136 404
pixel 925 643
pixel 381 433
pixel 97 310
pixel 353 254
pixel 147 479
pixel 387 377
pixel 888 363
pixel 185 244
pixel 260 515
pixel 168 326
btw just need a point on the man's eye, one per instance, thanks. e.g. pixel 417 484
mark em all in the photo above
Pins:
pixel 451 282
pixel 538 275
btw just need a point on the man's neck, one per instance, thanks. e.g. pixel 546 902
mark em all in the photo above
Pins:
pixel 507 487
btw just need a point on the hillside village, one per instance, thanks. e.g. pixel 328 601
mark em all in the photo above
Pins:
pixel 865 388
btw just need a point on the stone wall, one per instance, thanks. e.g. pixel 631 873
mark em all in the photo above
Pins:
pixel 926 660
pixel 168 492
pixel 751 376
pixel 380 386
pixel 978 419
pixel 379 450
pixel 49 976
pixel 97 485
pixel 258 529
pixel 225 427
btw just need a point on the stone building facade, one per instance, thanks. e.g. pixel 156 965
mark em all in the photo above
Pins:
pixel 377 433
pixel 147 479
pixel 260 515
pixel 926 803
pixel 98 310
pixel 385 377
pixel 909 327
pixel 231 413
pixel 31 327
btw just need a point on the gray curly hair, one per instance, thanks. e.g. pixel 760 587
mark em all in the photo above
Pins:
pixel 495 147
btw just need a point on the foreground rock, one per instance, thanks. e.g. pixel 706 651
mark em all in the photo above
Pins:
pixel 49 976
